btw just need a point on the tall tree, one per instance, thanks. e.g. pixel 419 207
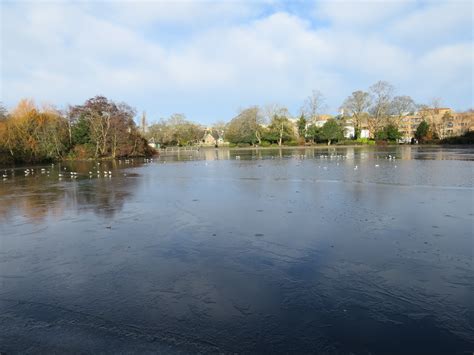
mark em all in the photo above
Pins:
pixel 313 105
pixel 422 131
pixel 382 92
pixel 431 114
pixel 246 127
pixel 401 106
pixel 280 130
pixel 111 128
pixel 302 123
pixel 267 112
pixel 356 106
pixel 31 134
pixel 313 132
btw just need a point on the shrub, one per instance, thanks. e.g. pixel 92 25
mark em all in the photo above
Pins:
pixel 83 151
pixel 365 141
pixel 466 138
pixel 346 142
pixel 388 133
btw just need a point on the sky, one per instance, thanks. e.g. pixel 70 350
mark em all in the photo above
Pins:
pixel 208 59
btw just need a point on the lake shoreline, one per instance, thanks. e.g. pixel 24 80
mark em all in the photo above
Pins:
pixel 9 165
pixel 322 146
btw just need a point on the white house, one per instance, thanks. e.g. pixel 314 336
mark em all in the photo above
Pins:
pixel 349 132
pixel 364 133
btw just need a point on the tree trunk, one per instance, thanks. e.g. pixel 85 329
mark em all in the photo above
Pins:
pixel 280 140
pixel 114 146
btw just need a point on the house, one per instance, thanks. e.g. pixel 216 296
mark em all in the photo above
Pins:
pixel 444 122
pixel 349 128
pixel 364 133
pixel 212 138
pixel 320 120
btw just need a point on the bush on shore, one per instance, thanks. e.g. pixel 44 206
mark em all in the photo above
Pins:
pixel 100 128
pixel 466 138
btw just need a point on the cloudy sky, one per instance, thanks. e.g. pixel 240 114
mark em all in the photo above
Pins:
pixel 207 59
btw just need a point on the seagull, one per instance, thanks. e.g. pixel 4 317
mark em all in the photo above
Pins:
pixel 355 167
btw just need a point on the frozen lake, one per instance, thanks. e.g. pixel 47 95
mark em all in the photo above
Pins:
pixel 296 250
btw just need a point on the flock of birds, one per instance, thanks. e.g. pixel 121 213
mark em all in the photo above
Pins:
pixel 330 157
pixel 64 172
pixel 108 173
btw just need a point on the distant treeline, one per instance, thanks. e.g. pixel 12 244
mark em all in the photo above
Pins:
pixel 100 128
pixel 377 111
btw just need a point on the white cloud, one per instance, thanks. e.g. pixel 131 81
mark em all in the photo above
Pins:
pixel 435 24
pixel 182 13
pixel 360 13
pixel 65 53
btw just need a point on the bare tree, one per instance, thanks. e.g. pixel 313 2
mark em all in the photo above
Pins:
pixel 184 132
pixel 401 106
pixel 143 123
pixel 430 113
pixel 356 106
pixel 271 110
pixel 382 92
pixel 313 105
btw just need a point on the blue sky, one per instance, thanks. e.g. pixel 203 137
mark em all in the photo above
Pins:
pixel 207 59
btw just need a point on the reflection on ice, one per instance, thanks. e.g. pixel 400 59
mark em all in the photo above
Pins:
pixel 291 250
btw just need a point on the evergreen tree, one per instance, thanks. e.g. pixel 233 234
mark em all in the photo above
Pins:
pixel 422 131
pixel 332 131
pixel 302 121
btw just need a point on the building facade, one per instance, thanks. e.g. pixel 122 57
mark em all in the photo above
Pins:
pixel 444 122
